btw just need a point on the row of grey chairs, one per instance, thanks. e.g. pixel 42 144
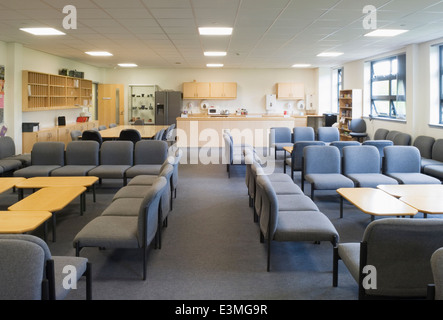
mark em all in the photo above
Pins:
pixel 281 209
pixel 324 170
pixel 9 160
pixel 134 219
pixel 111 160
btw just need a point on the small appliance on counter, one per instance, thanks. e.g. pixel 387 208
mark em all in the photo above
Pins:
pixel 213 110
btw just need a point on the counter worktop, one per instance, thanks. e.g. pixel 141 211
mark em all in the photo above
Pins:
pixel 234 117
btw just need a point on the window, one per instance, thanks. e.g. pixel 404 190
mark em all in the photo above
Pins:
pixel 440 62
pixel 337 85
pixel 388 87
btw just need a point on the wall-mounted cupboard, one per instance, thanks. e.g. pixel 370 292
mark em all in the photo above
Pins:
pixel 210 90
pixel 290 91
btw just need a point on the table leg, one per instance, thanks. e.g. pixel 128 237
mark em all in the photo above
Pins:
pixel 341 207
pixel 53 227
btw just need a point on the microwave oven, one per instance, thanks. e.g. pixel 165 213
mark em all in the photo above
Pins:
pixel 213 110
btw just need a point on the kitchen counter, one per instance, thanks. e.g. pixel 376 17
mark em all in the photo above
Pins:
pixel 202 130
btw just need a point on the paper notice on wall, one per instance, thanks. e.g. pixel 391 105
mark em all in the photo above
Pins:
pixel 2 89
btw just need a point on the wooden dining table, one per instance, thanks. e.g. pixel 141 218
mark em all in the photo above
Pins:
pixel 17 222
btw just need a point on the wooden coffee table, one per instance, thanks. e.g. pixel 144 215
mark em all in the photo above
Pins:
pixel 400 190
pixel 51 199
pixel 23 221
pixel 42 182
pixel 375 202
pixel 9 182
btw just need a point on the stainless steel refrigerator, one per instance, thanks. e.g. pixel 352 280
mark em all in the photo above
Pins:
pixel 168 106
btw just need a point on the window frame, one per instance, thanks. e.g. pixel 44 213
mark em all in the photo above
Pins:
pixel 440 79
pixel 390 98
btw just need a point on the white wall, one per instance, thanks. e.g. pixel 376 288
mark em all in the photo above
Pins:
pixel 252 84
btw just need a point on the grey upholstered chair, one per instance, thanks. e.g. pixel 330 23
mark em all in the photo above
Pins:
pixel 170 134
pixel 400 250
pixel 362 165
pixel 424 144
pixel 130 135
pixel 233 153
pixel 434 166
pixel 159 134
pixel 358 129
pixel 112 125
pixel 81 157
pixel 295 161
pixel 380 134
pixel 436 154
pixel 149 156
pixel 139 122
pixel 279 137
pixel 437 274
pixel 402 139
pixel 75 135
pixel 380 145
pixel 403 164
pixel 328 134
pixel 132 193
pixel 123 230
pixel 45 157
pixel 30 272
pixel 102 127
pixel 301 223
pixel 7 151
pixel 341 144
pixel 391 135
pixel 322 169
pixel 303 134
pixel 115 158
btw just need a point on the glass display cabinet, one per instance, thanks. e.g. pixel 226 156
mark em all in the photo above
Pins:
pixel 142 103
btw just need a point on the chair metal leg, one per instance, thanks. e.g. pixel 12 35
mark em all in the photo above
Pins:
pixel 144 263
pixel 335 267
pixel 88 281
pixel 341 207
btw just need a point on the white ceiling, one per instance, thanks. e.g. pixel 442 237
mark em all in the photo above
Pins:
pixel 267 33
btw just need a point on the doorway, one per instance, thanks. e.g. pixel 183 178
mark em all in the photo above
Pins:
pixel 111 105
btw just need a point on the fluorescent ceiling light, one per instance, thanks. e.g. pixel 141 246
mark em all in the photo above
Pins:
pixel 43 31
pixel 99 53
pixel 330 54
pixel 214 65
pixel 215 53
pixel 127 65
pixel 215 31
pixel 385 33
pixel 301 65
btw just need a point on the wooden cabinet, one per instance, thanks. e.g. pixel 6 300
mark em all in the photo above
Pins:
pixel 290 91
pixel 210 90
pixel 350 104
pixel 64 133
pixel 224 90
pixel 41 91
pixel 29 138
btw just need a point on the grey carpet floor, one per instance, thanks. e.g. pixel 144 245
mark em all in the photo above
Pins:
pixel 211 248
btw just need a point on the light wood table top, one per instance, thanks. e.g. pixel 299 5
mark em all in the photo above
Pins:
pixel 288 149
pixel 22 221
pixel 42 182
pixel 49 199
pixel 9 182
pixel 400 190
pixel 146 131
pixel 376 202
pixel 425 204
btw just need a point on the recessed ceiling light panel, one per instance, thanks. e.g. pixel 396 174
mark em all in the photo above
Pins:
pixel 99 53
pixel 385 33
pixel 127 65
pixel 301 65
pixel 214 65
pixel 211 31
pixel 330 54
pixel 43 31
pixel 215 53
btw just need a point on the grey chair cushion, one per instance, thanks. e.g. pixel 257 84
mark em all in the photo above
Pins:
pixel 60 262
pixel 109 171
pixel 25 159
pixel 143 169
pixel 10 165
pixel 414 178
pixel 424 145
pixel 82 153
pixel 117 153
pixel 124 207
pixel 430 162
pixel 303 134
pixel 437 150
pixel 48 153
pixel 35 171
pixel 329 181
pixel 72 170
pixel 370 180
pixel 380 134
pixel 147 180
pixel 434 171
pixel 304 226
pixel 150 152
pixel 328 134
pixel 295 202
pixel 286 187
pixel 109 232
pixel 437 272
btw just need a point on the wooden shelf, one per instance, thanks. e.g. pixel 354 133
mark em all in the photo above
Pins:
pixel 348 100
pixel 43 92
